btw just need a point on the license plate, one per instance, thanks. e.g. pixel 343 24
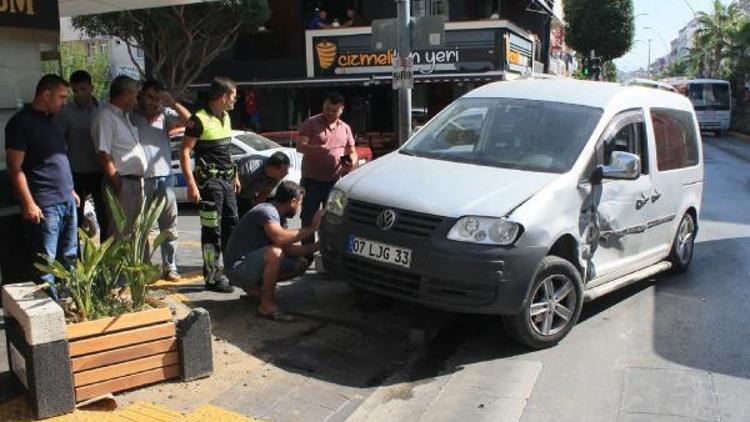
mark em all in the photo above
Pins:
pixel 381 252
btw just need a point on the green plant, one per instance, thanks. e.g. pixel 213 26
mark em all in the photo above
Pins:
pixel 94 281
pixel 137 268
pixel 83 281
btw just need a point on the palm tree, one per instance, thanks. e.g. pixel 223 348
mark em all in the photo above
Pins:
pixel 713 39
pixel 676 68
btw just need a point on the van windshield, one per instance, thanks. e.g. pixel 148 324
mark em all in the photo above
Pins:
pixel 541 136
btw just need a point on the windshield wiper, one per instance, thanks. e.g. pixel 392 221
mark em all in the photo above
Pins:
pixel 407 152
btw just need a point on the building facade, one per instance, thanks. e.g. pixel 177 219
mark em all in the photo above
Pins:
pixel 120 60
pixel 289 68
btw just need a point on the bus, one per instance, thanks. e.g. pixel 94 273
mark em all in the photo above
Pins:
pixel 712 101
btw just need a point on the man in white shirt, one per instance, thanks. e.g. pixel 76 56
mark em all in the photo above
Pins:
pixel 156 114
pixel 120 152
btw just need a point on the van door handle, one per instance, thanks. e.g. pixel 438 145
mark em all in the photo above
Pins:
pixel 655 197
pixel 640 203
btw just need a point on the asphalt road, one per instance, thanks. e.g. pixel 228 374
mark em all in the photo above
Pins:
pixel 672 348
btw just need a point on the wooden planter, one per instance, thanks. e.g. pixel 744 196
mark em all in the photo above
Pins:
pixel 58 365
pixel 120 353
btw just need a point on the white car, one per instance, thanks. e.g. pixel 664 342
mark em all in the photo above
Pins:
pixel 243 144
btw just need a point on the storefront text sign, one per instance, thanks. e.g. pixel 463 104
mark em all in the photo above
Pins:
pixel 38 19
pixel 338 53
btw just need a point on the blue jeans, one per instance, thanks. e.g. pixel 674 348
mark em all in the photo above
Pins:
pixel 56 236
pixel 247 272
pixel 162 187
pixel 316 195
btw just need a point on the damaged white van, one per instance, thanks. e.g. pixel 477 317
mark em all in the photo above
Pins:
pixel 525 199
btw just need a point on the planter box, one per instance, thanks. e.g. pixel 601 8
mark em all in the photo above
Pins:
pixel 124 352
pixel 59 365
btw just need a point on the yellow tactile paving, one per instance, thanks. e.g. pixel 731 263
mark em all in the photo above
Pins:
pixel 190 244
pixel 16 410
pixel 148 412
pixel 216 414
pixel 187 279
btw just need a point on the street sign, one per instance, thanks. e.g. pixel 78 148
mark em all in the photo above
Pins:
pixel 403 73
pixel 429 32
pixel 384 35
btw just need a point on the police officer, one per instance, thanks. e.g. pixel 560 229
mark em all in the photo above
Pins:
pixel 214 182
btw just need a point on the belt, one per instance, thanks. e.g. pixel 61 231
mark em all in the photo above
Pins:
pixel 131 176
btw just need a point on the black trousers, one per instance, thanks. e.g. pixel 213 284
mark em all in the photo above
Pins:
pixel 86 184
pixel 218 216
pixel 316 194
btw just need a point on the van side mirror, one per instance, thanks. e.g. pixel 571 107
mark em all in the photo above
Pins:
pixel 623 166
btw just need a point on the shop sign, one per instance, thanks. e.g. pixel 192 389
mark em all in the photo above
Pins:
pixel 519 53
pixel 466 50
pixel 29 14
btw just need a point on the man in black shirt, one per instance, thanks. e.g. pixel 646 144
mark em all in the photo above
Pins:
pixel 259 176
pixel 40 173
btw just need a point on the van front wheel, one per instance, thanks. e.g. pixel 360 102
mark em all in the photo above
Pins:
pixel 551 307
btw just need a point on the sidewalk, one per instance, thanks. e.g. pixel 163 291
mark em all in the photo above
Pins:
pixel 320 368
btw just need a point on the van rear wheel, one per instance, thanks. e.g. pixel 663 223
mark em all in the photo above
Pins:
pixel 552 306
pixel 683 245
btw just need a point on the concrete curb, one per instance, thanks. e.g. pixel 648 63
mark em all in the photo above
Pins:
pixel 38 349
pixel 739 135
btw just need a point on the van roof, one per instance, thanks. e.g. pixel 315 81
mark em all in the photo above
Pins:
pixel 571 91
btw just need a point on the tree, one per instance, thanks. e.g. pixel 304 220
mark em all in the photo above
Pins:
pixel 606 27
pixel 609 71
pixel 715 38
pixel 676 68
pixel 91 56
pixel 178 42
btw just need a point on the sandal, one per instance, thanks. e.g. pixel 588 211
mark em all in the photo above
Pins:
pixel 278 315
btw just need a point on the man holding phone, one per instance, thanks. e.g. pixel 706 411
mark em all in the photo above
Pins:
pixel 329 153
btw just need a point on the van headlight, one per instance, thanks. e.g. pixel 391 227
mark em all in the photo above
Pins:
pixel 336 203
pixel 485 230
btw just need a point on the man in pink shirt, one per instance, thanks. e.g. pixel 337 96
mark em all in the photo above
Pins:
pixel 328 147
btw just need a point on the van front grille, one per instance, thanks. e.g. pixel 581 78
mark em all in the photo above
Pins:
pixel 408 222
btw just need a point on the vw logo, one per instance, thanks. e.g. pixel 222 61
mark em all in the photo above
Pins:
pixel 386 219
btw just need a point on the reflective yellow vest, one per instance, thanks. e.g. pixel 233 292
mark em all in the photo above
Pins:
pixel 213 128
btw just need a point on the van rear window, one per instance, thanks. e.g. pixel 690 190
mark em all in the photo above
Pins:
pixel 676 139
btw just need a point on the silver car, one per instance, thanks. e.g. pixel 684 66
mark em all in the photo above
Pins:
pixel 525 199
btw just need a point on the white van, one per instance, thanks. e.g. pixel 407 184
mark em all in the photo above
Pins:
pixel 560 191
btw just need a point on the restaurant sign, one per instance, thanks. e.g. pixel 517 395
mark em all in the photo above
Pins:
pixel 341 53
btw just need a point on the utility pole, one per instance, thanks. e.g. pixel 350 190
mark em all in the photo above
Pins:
pixel 404 53
pixel 648 65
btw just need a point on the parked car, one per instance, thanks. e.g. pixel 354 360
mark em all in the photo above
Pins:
pixel 289 138
pixel 243 144
pixel 565 191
